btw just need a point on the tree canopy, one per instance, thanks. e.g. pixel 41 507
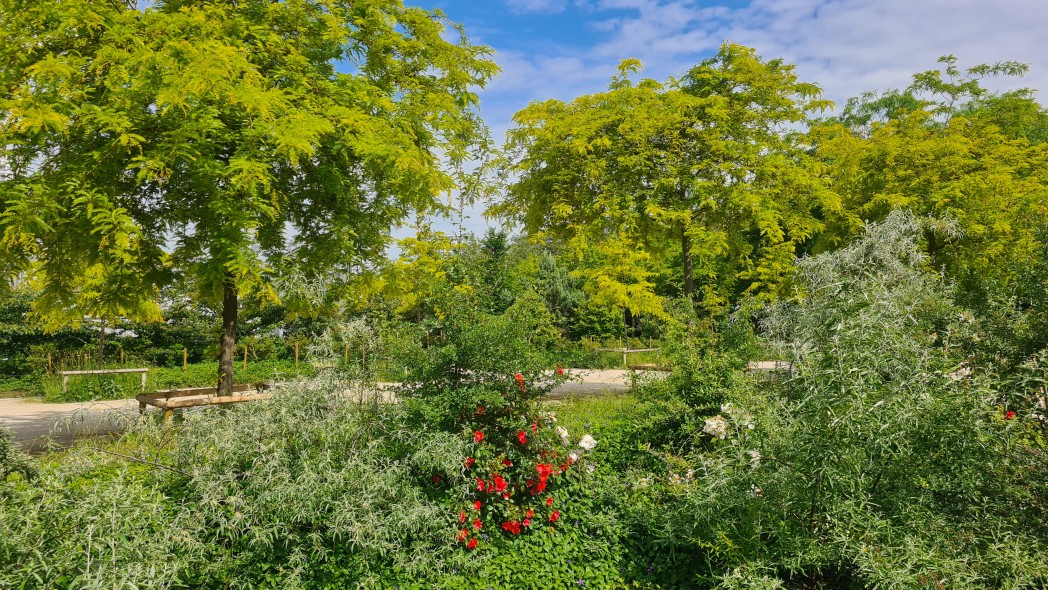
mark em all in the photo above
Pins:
pixel 706 162
pixel 222 139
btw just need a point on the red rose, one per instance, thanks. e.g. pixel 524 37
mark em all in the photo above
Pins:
pixel 527 522
pixel 436 479
pixel 553 517
pixel 530 513
pixel 549 501
pixel 480 484
pixel 505 496
pixel 534 427
pixel 500 484
pixel 512 526
pixel 1009 415
pixel 476 505
pixel 462 517
pixel 472 543
pixel 477 524
pixel 470 462
pixel 461 536
pixel 522 437
pixel 507 463
pixel 560 371
pixel 480 410
pixel 519 378
pixel 478 436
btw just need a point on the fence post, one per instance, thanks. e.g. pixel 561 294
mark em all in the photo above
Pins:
pixel 185 359
pixel 50 365
pixel 245 357
pixel 296 355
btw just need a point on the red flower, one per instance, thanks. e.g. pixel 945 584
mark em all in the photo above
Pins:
pixel 549 501
pixel 462 516
pixel 478 436
pixel 512 526
pixel 436 479
pixel 470 462
pixel 519 378
pixel 530 513
pixel 500 484
pixel 505 496
pixel 476 505
pixel 477 524
pixel 553 517
pixel 560 371
pixel 461 536
pixel 527 522
pixel 1009 415
pixel 472 543
pixel 480 410
pixel 534 427
pixel 480 484
pixel 507 463
pixel 522 437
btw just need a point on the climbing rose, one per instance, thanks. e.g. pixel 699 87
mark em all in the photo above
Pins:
pixel 522 437
pixel 436 479
pixel 549 501
pixel 553 517
pixel 530 513
pixel 480 484
pixel 470 462
pixel 527 522
pixel 500 484
pixel 563 434
pixel 462 517
pixel 507 463
pixel 505 496
pixel 476 505
pixel 472 543
pixel 588 442
pixel 512 526
pixel 478 436
pixel 1009 415
pixel 519 378
pixel 560 371
pixel 461 536
pixel 477 524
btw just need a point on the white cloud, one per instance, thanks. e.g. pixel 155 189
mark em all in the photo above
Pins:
pixel 549 6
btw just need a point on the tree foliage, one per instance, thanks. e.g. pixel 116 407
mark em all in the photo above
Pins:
pixel 705 163
pixel 223 139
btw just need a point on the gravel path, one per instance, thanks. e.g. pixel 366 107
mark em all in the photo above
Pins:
pixel 34 425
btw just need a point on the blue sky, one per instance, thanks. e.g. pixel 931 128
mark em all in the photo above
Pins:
pixel 564 48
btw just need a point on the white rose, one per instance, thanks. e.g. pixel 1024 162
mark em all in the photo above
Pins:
pixel 588 442
pixel 755 457
pixel 716 426
pixel 563 434
pixel 573 456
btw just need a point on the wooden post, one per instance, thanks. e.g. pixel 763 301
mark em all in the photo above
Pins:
pixel 245 357
pixel 296 355
pixel 185 359
pixel 50 365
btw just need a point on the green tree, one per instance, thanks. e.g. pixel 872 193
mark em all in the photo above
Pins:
pixel 706 162
pixel 976 176
pixel 225 139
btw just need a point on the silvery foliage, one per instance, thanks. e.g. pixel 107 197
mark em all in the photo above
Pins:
pixel 288 487
pixel 876 466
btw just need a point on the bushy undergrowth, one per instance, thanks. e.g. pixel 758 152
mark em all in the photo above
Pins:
pixel 875 464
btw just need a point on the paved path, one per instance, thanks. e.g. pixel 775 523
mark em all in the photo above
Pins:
pixel 33 424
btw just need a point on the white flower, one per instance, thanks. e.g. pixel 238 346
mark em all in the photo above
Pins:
pixel 716 426
pixel 563 434
pixel 755 457
pixel 727 408
pixel 591 468
pixel 643 482
pixel 573 456
pixel 674 478
pixel 690 475
pixel 588 442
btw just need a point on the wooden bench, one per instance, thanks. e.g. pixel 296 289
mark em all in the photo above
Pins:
pixel 66 374
pixel 170 400
pixel 626 351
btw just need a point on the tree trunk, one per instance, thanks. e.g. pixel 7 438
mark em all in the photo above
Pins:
pixel 101 345
pixel 229 337
pixel 685 249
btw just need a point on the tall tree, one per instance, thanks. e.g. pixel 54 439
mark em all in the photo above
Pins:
pixel 707 162
pixel 972 169
pixel 227 139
